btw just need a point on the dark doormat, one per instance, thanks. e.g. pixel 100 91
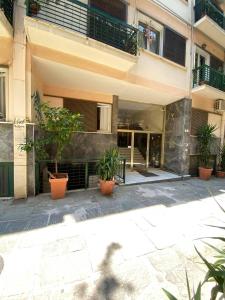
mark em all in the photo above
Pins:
pixel 146 174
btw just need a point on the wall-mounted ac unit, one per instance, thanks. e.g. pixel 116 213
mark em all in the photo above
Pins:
pixel 219 105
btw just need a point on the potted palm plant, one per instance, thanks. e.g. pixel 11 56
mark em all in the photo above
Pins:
pixel 106 169
pixel 221 165
pixel 56 125
pixel 205 138
pixel 34 6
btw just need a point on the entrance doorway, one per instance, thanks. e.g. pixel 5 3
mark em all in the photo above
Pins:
pixel 142 149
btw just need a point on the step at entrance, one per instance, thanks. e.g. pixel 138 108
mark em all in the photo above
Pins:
pixel 138 157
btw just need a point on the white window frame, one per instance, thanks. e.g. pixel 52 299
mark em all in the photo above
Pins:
pixel 157 26
pixel 5 74
pixel 203 53
pixel 109 117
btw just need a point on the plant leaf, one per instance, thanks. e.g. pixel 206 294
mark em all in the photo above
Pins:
pixel 169 295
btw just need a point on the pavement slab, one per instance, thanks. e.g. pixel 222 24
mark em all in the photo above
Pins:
pixel 92 247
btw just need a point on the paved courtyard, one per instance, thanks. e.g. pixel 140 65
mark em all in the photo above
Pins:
pixel 128 246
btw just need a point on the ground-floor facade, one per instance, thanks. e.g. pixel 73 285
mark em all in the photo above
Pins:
pixel 147 135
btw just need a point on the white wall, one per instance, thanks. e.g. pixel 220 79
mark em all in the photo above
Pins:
pixel 181 8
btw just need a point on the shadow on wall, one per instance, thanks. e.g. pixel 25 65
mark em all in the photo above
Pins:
pixel 108 284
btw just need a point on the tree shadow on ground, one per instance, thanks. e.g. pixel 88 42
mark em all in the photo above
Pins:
pixel 108 284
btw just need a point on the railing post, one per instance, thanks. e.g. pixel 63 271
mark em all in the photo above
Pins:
pixel 124 170
pixel 86 175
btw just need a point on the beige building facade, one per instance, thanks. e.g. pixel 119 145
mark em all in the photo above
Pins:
pixel 145 74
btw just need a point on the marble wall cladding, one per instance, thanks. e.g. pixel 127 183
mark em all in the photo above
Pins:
pixel 6 142
pixel 115 115
pixel 177 136
pixel 89 146
pixel 30 163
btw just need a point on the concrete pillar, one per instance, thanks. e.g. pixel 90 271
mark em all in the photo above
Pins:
pixel 222 131
pixel 19 101
pixel 115 115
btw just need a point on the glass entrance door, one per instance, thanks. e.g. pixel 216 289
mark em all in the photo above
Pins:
pixel 141 149
pixel 140 155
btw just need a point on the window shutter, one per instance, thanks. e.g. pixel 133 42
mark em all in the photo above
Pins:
pixel 174 47
pixel 198 119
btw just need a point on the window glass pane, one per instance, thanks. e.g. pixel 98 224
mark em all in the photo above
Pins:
pixel 174 47
pixel 104 118
pixel 150 38
pixel 142 39
pixel 154 41
pixel 2 97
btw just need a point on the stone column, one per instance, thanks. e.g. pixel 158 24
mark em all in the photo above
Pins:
pixel 115 115
pixel 19 100
pixel 177 136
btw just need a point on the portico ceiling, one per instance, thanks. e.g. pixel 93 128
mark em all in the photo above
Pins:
pixel 56 74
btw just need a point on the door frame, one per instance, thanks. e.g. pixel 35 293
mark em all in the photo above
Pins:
pixel 203 53
pixel 148 132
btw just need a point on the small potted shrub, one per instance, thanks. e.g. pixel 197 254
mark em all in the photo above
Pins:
pixel 34 6
pixel 221 166
pixel 56 126
pixel 106 169
pixel 205 138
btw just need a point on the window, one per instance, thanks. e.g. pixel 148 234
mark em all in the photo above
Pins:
pixel 116 8
pixel 150 38
pixel 104 112
pixel 174 47
pixel 3 94
pixel 151 34
pixel 198 119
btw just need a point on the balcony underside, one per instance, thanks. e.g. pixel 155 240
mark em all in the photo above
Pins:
pixel 65 81
pixel 208 92
pixel 212 30
pixel 67 41
pixel 6 30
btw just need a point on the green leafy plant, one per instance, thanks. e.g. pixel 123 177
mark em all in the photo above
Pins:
pixel 215 273
pixel 205 137
pixel 108 164
pixel 221 158
pixel 56 127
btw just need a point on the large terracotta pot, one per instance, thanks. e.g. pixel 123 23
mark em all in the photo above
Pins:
pixel 34 8
pixel 220 174
pixel 205 173
pixel 58 185
pixel 107 186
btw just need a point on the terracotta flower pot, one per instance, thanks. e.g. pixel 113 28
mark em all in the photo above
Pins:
pixel 107 186
pixel 34 8
pixel 220 174
pixel 205 173
pixel 58 185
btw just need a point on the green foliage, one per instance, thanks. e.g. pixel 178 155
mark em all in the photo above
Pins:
pixel 108 164
pixel 56 125
pixel 215 273
pixel 221 158
pixel 205 138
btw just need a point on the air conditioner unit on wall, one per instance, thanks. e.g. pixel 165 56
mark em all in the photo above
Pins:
pixel 219 105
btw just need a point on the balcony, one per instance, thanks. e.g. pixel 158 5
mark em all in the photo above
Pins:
pixel 83 31
pixel 6 18
pixel 210 20
pixel 7 7
pixel 208 83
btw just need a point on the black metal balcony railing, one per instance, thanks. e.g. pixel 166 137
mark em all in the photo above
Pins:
pixel 82 174
pixel 86 20
pixel 7 7
pixel 207 75
pixel 206 8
